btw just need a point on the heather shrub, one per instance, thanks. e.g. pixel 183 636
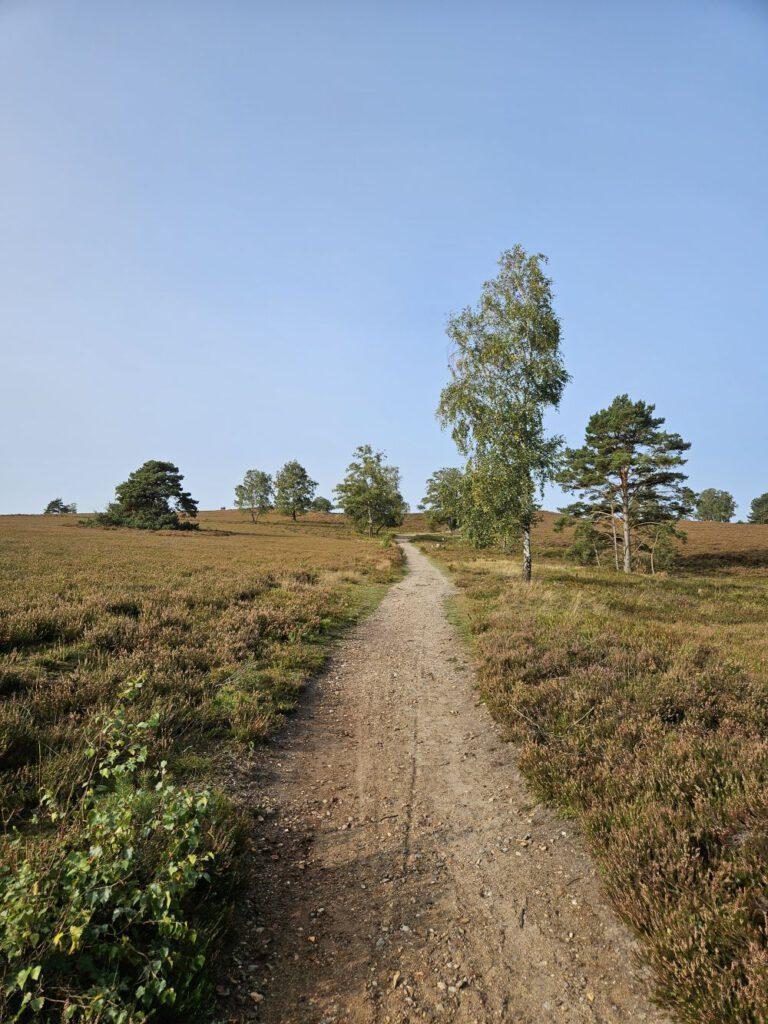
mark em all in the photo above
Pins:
pixel 640 707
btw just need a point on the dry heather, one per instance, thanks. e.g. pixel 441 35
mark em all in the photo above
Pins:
pixel 114 883
pixel 641 707
pixel 225 624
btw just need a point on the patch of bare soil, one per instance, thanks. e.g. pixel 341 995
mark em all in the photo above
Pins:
pixel 404 872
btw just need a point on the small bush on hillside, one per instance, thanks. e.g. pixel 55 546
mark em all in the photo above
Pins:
pixel 100 906
pixel 320 504
pixel 58 507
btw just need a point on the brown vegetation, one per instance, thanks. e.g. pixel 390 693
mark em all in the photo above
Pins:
pixel 225 624
pixel 641 707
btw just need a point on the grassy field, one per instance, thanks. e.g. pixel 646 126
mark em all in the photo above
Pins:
pixel 226 623
pixel 223 626
pixel 641 707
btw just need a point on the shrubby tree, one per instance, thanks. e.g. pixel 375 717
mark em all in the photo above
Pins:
pixel 627 473
pixel 599 514
pixel 444 498
pixel 506 371
pixel 658 544
pixel 370 492
pixel 758 510
pixel 57 507
pixel 294 490
pixel 254 494
pixel 322 505
pixel 715 506
pixel 589 543
pixel 152 498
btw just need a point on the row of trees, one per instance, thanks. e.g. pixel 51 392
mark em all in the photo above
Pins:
pixel 506 373
pixel 291 492
pixel 369 495
pixel 153 498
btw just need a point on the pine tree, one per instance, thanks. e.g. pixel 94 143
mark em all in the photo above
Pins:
pixel 627 472
pixel 152 498
pixel 758 512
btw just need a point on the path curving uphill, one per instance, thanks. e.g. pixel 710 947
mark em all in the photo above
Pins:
pixel 406 873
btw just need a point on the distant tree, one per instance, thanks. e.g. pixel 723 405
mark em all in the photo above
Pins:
pixel 759 510
pixel 689 496
pixel 322 505
pixel 627 472
pixel 294 490
pixel 254 494
pixel 152 498
pixel 715 506
pixel 506 371
pixel 58 508
pixel 445 497
pixel 369 494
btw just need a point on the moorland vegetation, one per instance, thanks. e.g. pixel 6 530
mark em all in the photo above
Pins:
pixel 120 851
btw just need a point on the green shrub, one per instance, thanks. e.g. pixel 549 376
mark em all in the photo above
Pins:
pixel 99 901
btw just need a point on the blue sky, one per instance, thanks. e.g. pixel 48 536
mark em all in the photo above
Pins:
pixel 233 231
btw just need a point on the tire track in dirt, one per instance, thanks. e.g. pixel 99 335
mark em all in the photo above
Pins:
pixel 404 871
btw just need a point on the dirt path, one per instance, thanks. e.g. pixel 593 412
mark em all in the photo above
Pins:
pixel 405 872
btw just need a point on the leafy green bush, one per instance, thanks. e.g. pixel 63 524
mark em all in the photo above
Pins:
pixel 99 902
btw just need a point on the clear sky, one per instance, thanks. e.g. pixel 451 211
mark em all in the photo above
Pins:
pixel 232 231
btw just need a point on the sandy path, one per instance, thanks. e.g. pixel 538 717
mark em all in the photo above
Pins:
pixel 405 872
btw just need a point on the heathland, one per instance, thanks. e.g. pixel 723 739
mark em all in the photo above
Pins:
pixel 640 706
pixel 221 627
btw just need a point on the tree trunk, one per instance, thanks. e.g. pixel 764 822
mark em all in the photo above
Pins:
pixel 527 561
pixel 615 538
pixel 293 514
pixel 627 533
pixel 253 515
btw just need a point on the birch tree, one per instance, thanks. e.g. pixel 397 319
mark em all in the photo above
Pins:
pixel 506 372
pixel 443 500
pixel 254 494
pixel 715 506
pixel 294 490
pixel 369 495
